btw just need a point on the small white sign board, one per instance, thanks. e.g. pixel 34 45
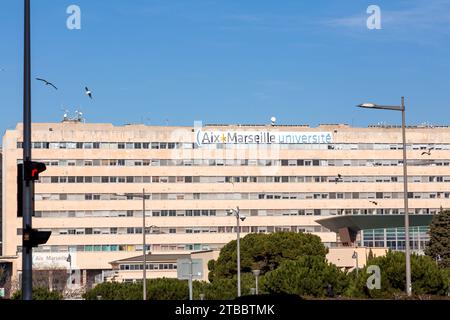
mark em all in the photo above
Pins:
pixel 54 260
pixel 184 269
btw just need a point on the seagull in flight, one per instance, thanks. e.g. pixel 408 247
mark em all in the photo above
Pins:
pixel 47 83
pixel 88 92
pixel 428 152
pixel 374 202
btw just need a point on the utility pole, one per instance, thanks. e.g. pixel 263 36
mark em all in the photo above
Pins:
pixel 27 199
pixel 28 172
pixel 190 279
pixel 144 283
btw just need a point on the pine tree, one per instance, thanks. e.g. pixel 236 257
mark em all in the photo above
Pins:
pixel 438 247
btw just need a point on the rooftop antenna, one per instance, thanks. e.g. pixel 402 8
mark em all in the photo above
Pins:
pixel 66 114
pixel 78 116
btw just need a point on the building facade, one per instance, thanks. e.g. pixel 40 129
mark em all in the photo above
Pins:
pixel 282 178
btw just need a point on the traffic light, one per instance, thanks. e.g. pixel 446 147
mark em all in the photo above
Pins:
pixel 32 237
pixel 33 169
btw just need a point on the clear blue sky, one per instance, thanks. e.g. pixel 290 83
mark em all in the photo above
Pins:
pixel 229 61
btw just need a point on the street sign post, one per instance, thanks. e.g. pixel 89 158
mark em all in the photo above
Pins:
pixel 190 269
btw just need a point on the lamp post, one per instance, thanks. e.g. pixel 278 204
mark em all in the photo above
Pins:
pixel 355 256
pixel 144 269
pixel 405 185
pixel 238 217
pixel 69 260
pixel 256 273
pixel 144 282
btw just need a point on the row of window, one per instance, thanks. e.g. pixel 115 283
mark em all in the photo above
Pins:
pixel 244 162
pixel 125 247
pixel 110 145
pixel 149 266
pixel 183 230
pixel 394 238
pixel 190 145
pixel 242 196
pixel 223 213
pixel 239 179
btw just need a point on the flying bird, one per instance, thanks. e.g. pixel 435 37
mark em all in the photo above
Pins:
pixel 88 92
pixel 374 202
pixel 428 152
pixel 338 179
pixel 47 83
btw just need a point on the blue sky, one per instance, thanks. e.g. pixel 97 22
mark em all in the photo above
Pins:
pixel 228 61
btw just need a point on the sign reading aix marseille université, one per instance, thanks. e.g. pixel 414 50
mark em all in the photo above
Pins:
pixel 261 137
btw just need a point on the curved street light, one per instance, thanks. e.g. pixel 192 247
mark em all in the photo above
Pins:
pixel 405 184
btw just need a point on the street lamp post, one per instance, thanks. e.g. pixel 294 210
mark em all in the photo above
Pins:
pixel 144 269
pixel 144 283
pixel 238 217
pixel 256 273
pixel 405 185
pixel 69 260
pixel 355 256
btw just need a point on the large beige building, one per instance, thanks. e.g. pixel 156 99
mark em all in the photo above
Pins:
pixel 282 178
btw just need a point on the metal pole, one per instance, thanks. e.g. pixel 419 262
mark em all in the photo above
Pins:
pixel 238 258
pixel 144 282
pixel 27 200
pixel 357 265
pixel 190 279
pixel 70 273
pixel 257 284
pixel 405 196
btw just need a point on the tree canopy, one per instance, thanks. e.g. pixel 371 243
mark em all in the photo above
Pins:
pixel 438 247
pixel 426 277
pixel 306 276
pixel 39 293
pixel 265 252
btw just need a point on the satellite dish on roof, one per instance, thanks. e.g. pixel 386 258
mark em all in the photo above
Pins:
pixel 273 120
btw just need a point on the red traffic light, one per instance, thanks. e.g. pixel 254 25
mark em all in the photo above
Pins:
pixel 33 169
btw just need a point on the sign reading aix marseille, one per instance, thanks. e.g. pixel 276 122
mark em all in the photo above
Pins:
pixel 261 137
